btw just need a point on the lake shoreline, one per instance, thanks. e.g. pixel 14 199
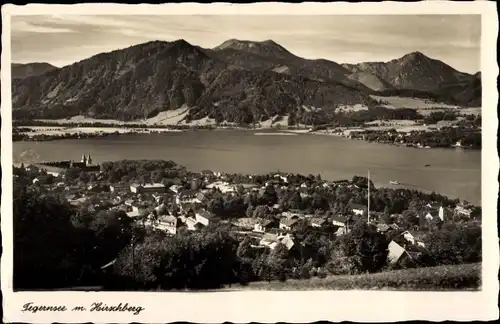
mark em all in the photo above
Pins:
pixel 44 133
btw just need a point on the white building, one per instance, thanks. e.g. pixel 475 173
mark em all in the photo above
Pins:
pixel 204 217
pixel 167 223
pixel 431 214
pixel 358 209
pixel 150 187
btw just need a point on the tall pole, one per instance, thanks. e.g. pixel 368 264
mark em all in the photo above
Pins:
pixel 133 255
pixel 368 195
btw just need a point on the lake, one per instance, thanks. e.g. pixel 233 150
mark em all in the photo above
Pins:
pixel 453 172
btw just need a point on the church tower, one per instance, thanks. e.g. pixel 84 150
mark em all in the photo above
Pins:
pixel 84 159
pixel 89 160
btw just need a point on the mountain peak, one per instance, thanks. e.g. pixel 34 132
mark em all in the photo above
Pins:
pixel 417 55
pixel 267 48
pixel 270 42
pixel 232 43
pixel 181 42
pixel 239 44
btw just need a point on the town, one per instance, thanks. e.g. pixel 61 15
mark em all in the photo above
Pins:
pixel 311 225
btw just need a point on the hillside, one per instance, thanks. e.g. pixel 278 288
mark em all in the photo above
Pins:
pixel 370 80
pixel 464 93
pixel 268 55
pixel 144 80
pixel 412 71
pixel 449 277
pixel 417 75
pixel 19 71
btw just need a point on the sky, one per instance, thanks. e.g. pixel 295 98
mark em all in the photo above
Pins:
pixel 64 39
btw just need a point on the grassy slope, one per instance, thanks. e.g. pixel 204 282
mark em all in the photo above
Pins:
pixel 464 276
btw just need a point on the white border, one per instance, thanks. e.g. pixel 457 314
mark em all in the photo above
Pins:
pixel 268 306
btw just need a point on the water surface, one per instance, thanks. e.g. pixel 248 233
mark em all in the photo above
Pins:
pixel 453 172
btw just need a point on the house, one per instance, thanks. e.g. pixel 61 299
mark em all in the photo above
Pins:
pixel 339 220
pixel 187 207
pixel 287 241
pixel 291 215
pixel 137 209
pixel 135 188
pixel 463 209
pixel 288 224
pixel 268 239
pixel 397 253
pixel 382 228
pixel 408 237
pixel 435 214
pixel 187 196
pixel 161 209
pixel 263 225
pixel 358 209
pixel 433 205
pixel 147 188
pixel 193 225
pixel 157 197
pixel 204 217
pixel 133 213
pixel 318 222
pixel 154 187
pixel 222 186
pixel 182 219
pixel 78 202
pixel 276 206
pixel 341 231
pixel 175 188
pixel 167 223
pixel 394 227
pixel 119 188
pixel 201 197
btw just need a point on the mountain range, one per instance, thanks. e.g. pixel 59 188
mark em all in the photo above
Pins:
pixel 237 81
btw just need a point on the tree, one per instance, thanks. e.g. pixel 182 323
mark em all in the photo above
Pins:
pixel 386 219
pixel 249 211
pixel 455 244
pixel 260 211
pixel 201 260
pixel 277 262
pixel 363 249
pixel 46 243
pixel 244 248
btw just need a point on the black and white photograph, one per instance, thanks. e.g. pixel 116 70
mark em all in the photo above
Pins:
pixel 225 153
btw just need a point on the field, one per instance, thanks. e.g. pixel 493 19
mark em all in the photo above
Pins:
pixel 63 130
pixel 423 106
pixel 455 277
